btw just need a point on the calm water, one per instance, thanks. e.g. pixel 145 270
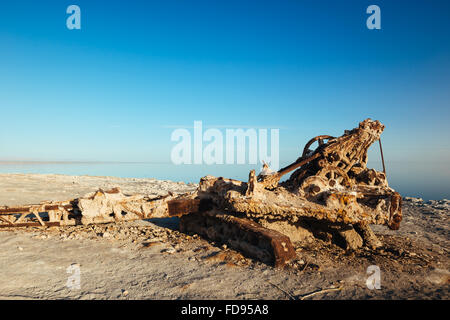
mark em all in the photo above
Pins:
pixel 410 179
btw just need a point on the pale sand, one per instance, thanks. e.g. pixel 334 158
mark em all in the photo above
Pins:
pixel 151 260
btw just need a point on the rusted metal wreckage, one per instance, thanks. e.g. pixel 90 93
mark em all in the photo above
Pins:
pixel 331 194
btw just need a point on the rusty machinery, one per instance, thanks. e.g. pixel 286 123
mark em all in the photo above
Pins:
pixel 330 190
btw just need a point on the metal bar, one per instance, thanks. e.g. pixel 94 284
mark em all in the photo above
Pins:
pixel 382 158
pixel 25 209
pixel 179 207
pixel 30 224
pixel 297 164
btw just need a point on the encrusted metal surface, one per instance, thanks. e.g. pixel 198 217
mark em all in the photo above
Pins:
pixel 330 186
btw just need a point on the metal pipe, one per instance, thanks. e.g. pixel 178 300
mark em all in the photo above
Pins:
pixel 382 158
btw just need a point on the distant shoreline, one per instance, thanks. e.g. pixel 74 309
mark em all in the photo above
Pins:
pixel 408 178
pixel 68 178
pixel 9 162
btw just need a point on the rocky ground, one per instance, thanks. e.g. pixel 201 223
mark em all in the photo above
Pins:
pixel 152 260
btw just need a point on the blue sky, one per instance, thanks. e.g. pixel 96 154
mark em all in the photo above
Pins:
pixel 114 90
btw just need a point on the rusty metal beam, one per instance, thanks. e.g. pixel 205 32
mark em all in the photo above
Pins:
pixel 31 224
pixel 25 209
pixel 244 235
pixel 179 207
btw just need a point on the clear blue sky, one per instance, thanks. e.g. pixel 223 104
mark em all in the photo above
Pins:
pixel 115 89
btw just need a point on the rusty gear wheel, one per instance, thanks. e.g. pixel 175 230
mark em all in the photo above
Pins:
pixel 319 139
pixel 335 176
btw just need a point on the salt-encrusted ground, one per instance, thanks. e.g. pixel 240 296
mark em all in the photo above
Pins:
pixel 152 260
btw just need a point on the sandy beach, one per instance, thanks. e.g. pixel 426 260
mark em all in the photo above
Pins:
pixel 152 260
